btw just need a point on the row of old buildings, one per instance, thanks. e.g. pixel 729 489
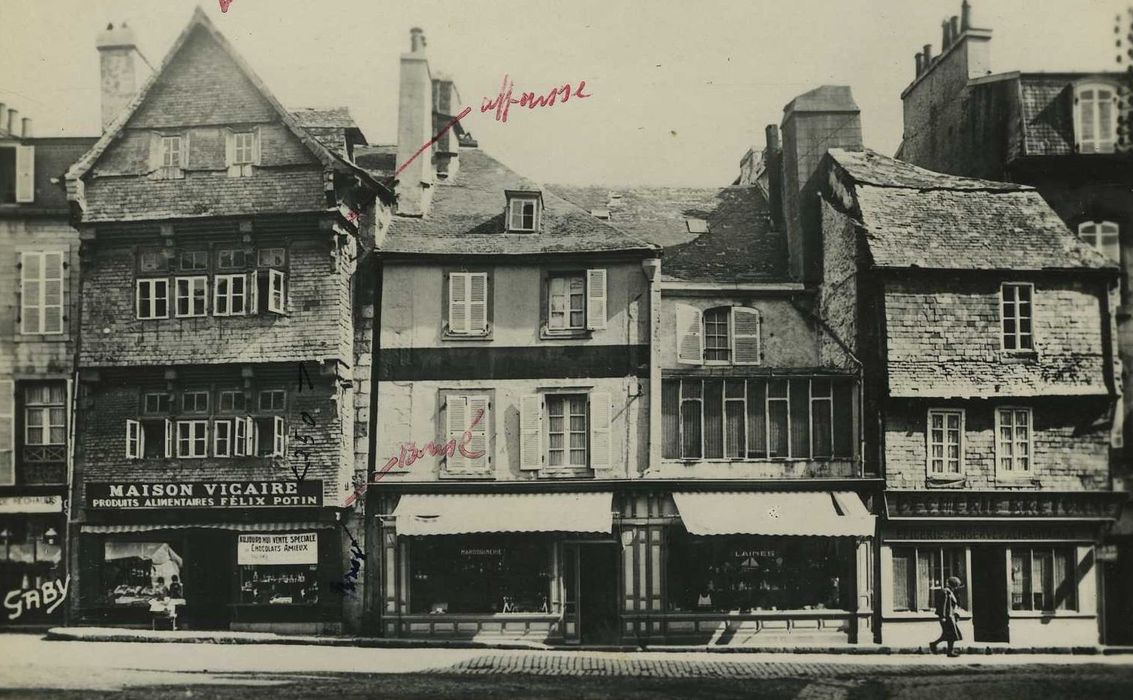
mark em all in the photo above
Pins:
pixel 328 387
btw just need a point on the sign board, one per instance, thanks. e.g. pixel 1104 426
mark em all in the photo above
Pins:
pixel 1106 552
pixel 31 504
pixel 299 548
pixel 135 495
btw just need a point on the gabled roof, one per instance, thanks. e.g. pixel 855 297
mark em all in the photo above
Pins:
pixel 200 21
pixel 467 218
pixel 740 244
pixel 915 218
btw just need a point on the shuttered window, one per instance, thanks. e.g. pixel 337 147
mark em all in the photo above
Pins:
pixel 41 292
pixel 566 431
pixel 468 303
pixel 467 414
pixel 7 433
pixel 720 335
pixel 1095 118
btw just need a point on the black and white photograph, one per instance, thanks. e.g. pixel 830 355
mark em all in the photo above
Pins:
pixel 566 349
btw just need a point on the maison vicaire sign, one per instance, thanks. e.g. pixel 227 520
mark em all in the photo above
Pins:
pixel 130 495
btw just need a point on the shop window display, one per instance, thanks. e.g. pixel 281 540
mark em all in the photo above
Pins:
pixel 746 574
pixel 279 585
pixel 499 574
pixel 138 573
pixel 30 554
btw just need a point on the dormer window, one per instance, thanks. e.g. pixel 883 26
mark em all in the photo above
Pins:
pixel 171 151
pixel 697 225
pixel 524 210
pixel 169 155
pixel 1095 117
pixel 242 151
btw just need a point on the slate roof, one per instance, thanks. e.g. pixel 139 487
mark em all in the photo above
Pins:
pixel 915 218
pixel 53 155
pixel 467 218
pixel 1047 105
pixel 740 244
pixel 332 126
pixel 379 160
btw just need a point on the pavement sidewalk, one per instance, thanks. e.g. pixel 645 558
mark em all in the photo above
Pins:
pixel 113 634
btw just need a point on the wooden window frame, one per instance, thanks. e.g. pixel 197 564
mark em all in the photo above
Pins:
pixel 961 461
pixel 1098 144
pixel 1112 249
pixel 39 309
pixel 151 283
pixel 1018 335
pixel 194 282
pixel 1014 472
pixel 192 424
pixel 447 291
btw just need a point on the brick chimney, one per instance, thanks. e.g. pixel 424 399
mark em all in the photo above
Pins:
pixel 446 104
pixel 965 54
pixel 414 129
pixel 824 118
pixel 116 49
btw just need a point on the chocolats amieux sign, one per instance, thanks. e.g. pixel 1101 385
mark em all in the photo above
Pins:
pixel 129 495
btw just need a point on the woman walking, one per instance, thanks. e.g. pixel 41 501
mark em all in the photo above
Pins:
pixel 949 621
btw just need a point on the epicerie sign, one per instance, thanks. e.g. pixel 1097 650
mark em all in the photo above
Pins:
pixel 296 548
pixel 134 495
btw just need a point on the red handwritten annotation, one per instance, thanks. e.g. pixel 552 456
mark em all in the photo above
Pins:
pixel 504 100
pixel 224 5
pixel 410 453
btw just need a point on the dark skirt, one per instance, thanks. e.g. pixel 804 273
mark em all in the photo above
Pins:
pixel 950 630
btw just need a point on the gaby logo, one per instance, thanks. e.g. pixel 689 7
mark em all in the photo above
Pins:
pixel 49 594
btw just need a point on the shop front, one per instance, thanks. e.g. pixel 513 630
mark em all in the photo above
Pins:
pixel 1027 563
pixel 260 565
pixel 745 568
pixel 33 574
pixel 533 566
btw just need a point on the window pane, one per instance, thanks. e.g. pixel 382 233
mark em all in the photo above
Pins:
pixel 1020 580
pixel 670 420
pixel 800 418
pixel 1065 580
pixel 734 430
pixel 777 419
pixel 902 593
pixel 713 419
pixel 844 420
pixel 690 429
pixel 756 419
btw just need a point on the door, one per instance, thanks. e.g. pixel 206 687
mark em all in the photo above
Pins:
pixel 989 594
pixel 590 592
pixel 209 562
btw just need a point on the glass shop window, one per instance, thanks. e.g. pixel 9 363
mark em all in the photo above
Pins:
pixel 136 573
pixel 278 569
pixel 489 574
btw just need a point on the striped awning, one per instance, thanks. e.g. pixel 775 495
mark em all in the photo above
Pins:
pixel 237 527
pixel 462 513
pixel 813 514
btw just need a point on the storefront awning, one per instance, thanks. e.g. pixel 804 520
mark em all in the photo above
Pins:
pixel 461 513
pixel 237 527
pixel 816 514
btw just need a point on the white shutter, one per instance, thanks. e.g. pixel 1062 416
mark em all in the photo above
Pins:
pixel 7 433
pixel 251 437
pixel 690 335
pixel 31 292
pixel 221 428
pixel 457 302
pixel 478 302
pixel 220 301
pixel 240 439
pixel 133 442
pixel 531 432
pixel 25 174
pixel 168 438
pixel 456 421
pixel 745 336
pixel 478 425
pixel 253 288
pixel 596 299
pixel 600 430
pixel 277 291
pixel 279 431
pixel 230 154
pixel 255 146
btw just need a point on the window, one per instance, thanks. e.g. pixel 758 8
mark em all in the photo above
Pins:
pixel 523 214
pixel 565 431
pixel 269 436
pixel 192 296
pixel 1043 578
pixel 192 438
pixel 468 414
pixel 468 303
pixel 231 259
pixel 273 400
pixel 222 438
pixel 749 419
pixel 945 442
pixel 230 295
pixel 1095 117
pixel 724 334
pixel 156 439
pixel 172 152
pixel 17 174
pixel 195 402
pixel 697 225
pixel 271 288
pixel 153 299
pixel 1013 443
pixel 919 574
pixel 41 292
pixel 271 257
pixel 231 400
pixel 567 310
pixel 1103 236
pixel 156 403
pixel 135 439
pixel 193 261
pixel 494 573
pixel 7 433
pixel 133 574
pixel 45 422
pixel 242 152
pixel 150 261
pixel 1018 316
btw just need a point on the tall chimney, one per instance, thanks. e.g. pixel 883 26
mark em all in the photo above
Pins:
pixel 2 115
pixel 927 56
pixel 945 35
pixel 414 129
pixel 955 27
pixel 25 128
pixel 814 122
pixel 965 16
pixel 13 121
pixel 116 49
pixel 920 63
pixel 771 133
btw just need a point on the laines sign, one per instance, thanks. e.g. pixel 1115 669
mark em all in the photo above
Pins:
pixel 131 495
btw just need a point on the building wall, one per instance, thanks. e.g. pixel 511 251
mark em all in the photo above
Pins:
pixel 1071 444
pixel 839 294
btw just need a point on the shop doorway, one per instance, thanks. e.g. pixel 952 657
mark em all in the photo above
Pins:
pixel 210 560
pixel 590 584
pixel 989 594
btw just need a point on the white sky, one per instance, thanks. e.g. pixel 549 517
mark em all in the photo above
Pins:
pixel 680 89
